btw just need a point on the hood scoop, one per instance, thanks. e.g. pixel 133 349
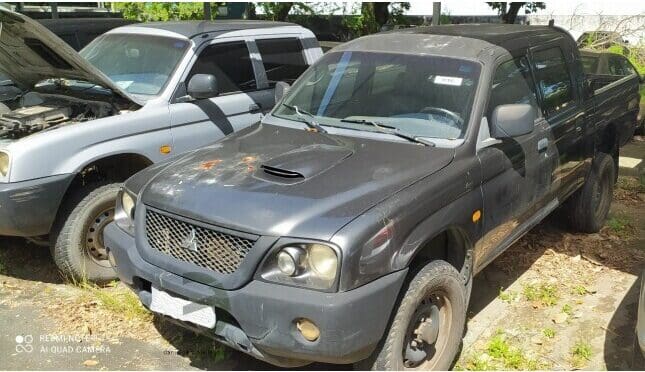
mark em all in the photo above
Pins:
pixel 302 163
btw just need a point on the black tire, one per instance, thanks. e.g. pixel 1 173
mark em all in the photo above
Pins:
pixel 437 278
pixel 77 233
pixel 587 209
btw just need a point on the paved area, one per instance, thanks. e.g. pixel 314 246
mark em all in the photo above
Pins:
pixel 554 300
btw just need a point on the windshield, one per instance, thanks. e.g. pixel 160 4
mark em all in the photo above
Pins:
pixel 424 96
pixel 138 64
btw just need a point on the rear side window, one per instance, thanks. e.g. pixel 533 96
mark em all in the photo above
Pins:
pixel 283 59
pixel 230 63
pixel 553 80
pixel 512 84
pixel 619 65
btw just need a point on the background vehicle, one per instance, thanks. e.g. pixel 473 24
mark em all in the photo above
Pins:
pixel 72 127
pixel 348 225
pixel 605 68
pixel 78 32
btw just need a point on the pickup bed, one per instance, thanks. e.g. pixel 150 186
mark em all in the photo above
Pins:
pixel 347 226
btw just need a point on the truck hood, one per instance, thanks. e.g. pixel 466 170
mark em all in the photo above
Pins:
pixel 30 53
pixel 278 181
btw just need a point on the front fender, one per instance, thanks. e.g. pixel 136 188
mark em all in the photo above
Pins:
pixel 68 148
pixel 386 238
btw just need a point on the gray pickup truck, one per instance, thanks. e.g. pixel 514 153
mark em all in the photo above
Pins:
pixel 347 226
pixel 72 127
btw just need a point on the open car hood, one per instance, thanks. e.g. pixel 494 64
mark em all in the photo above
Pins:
pixel 30 53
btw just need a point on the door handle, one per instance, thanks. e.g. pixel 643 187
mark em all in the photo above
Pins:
pixel 578 129
pixel 542 145
pixel 255 107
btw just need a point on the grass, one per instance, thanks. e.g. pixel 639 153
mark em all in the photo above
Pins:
pixel 544 294
pixel 499 354
pixel 619 225
pixel 630 183
pixel 548 332
pixel 580 290
pixel 507 296
pixel 581 353
pixel 119 301
pixel 567 309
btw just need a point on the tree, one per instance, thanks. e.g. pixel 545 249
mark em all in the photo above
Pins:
pixel 509 14
pixel 162 11
pixel 374 15
pixel 280 11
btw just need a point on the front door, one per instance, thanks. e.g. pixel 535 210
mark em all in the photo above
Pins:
pixel 516 171
pixel 240 102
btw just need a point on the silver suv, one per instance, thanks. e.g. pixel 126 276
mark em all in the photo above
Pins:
pixel 72 131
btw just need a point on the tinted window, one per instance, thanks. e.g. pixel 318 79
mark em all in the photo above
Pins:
pixel 231 65
pixel 282 58
pixel 512 83
pixel 620 66
pixel 590 64
pixel 553 80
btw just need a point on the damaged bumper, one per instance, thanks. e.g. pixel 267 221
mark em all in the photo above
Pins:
pixel 29 208
pixel 260 318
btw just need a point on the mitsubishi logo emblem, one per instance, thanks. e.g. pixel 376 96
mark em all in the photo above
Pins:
pixel 190 241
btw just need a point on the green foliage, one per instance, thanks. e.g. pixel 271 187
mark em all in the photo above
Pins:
pixel 499 354
pixel 277 11
pixel 162 11
pixel 545 294
pixel 580 290
pixel 567 309
pixel 507 296
pixel 580 353
pixel 619 225
pixel 548 332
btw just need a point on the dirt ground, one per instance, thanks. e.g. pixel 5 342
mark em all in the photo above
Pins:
pixel 554 300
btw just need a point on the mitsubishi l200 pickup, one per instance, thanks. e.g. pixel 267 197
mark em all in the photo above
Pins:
pixel 347 226
pixel 73 127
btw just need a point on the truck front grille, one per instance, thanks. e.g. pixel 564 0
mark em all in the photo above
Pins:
pixel 210 249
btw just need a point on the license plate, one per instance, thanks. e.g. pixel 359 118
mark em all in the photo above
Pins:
pixel 178 308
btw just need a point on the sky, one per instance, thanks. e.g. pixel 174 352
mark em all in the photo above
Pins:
pixel 563 7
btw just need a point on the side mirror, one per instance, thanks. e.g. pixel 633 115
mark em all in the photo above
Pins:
pixel 512 120
pixel 281 88
pixel 202 86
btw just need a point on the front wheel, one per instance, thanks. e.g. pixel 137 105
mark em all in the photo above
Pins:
pixel 77 238
pixel 426 331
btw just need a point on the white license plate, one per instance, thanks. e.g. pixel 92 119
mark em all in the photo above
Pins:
pixel 178 308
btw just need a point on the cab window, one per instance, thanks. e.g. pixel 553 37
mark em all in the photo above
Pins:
pixel 282 58
pixel 553 80
pixel 230 63
pixel 512 83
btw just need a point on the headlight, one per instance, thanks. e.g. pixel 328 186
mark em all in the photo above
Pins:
pixel 125 208
pixel 4 164
pixel 311 265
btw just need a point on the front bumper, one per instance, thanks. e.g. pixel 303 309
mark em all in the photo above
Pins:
pixel 29 208
pixel 259 318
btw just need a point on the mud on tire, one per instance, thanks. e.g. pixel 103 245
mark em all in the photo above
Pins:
pixel 442 279
pixel 73 238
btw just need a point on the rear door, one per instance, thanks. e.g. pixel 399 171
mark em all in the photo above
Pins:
pixel 238 104
pixel 560 104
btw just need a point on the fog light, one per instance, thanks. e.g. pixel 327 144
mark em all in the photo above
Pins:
pixel 286 263
pixel 111 258
pixel 308 329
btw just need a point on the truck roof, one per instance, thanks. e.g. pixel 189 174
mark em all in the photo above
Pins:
pixel 465 41
pixel 190 29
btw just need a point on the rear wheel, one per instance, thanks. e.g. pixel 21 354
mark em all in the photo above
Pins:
pixel 77 238
pixel 587 209
pixel 426 331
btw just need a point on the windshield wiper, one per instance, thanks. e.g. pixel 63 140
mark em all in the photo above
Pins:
pixel 302 114
pixel 395 132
